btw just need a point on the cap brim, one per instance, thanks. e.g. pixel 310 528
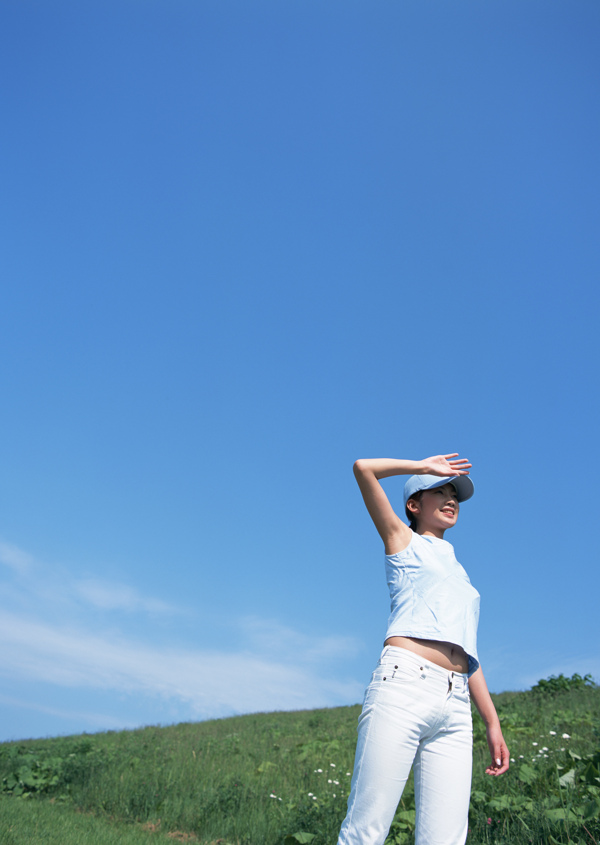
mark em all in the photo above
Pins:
pixel 462 484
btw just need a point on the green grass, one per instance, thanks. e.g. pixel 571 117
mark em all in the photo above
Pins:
pixel 266 777
pixel 43 823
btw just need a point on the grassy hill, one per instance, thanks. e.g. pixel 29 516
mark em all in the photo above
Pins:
pixel 278 778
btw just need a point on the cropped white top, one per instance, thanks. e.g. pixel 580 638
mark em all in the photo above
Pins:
pixel 432 597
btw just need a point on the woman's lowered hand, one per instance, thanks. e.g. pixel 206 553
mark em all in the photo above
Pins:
pixel 498 750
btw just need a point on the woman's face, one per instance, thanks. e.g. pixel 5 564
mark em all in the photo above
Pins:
pixel 438 509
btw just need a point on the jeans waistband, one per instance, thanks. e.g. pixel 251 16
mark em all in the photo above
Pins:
pixel 448 676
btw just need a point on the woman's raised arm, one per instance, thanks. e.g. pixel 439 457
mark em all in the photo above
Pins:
pixel 368 471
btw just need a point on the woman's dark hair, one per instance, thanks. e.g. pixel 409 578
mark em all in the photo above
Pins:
pixel 412 522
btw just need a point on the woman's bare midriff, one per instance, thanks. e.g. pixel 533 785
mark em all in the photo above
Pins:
pixel 447 655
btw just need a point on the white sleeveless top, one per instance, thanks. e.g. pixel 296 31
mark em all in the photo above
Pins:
pixel 432 597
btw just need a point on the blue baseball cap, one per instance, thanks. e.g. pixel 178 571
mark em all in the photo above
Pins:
pixel 462 484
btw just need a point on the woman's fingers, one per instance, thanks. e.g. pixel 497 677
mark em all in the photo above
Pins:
pixel 461 467
pixel 454 460
pixel 504 759
pixel 500 760
pixel 447 465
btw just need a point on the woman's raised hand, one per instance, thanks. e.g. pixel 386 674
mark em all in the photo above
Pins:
pixel 444 465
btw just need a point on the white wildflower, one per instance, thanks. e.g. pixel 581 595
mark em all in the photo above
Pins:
pixel 566 736
pixel 332 765
pixel 534 743
pixel 552 733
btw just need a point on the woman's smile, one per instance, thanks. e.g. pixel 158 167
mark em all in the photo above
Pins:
pixel 438 509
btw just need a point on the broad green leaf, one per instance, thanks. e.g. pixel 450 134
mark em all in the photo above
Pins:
pixel 559 814
pixel 590 774
pixel 11 781
pixel 590 810
pixel 301 837
pixel 527 774
pixel 502 802
pixel 567 779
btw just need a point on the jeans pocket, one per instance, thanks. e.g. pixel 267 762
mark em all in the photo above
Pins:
pixel 398 670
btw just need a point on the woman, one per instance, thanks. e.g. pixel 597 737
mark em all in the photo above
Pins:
pixel 417 706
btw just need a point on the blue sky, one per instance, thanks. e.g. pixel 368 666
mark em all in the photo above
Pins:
pixel 244 244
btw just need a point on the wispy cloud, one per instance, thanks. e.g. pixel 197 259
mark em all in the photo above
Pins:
pixel 15 558
pixel 273 638
pixel 273 668
pixel 110 596
pixel 91 718
pixel 212 683
pixel 34 585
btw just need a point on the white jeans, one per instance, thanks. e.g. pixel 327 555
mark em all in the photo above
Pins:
pixel 414 711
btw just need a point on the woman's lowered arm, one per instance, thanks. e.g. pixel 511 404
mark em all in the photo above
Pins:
pixel 484 704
